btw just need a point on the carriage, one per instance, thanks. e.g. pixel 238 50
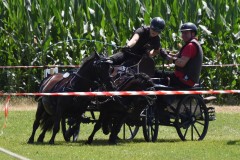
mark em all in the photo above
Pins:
pixel 189 114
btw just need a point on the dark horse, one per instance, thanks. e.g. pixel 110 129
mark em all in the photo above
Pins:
pixel 115 111
pixel 52 108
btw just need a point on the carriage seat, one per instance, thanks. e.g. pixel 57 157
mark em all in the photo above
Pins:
pixel 159 86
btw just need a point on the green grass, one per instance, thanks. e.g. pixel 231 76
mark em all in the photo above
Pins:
pixel 222 142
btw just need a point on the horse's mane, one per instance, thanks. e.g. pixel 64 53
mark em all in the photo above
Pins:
pixel 140 80
pixel 87 59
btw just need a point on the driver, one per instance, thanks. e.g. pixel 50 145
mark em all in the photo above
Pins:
pixel 188 62
pixel 145 41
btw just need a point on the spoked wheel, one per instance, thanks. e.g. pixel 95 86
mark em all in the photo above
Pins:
pixel 192 118
pixel 70 128
pixel 150 124
pixel 129 132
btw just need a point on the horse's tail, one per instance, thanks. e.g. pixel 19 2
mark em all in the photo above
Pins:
pixel 37 98
pixel 47 122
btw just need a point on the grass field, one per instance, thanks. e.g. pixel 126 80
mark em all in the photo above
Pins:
pixel 222 142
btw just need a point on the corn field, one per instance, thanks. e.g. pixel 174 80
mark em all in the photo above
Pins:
pixel 63 32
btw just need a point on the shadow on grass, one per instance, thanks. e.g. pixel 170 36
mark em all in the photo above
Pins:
pixel 102 142
pixel 141 140
pixel 46 143
pixel 236 142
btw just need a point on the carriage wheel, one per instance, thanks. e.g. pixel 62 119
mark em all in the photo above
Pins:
pixel 129 132
pixel 70 128
pixel 150 124
pixel 192 118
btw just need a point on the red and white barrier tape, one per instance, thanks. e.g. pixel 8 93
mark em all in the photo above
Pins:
pixel 46 66
pixel 124 93
pixel 6 111
pixel 77 66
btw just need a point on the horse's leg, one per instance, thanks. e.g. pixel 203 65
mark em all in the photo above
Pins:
pixel 97 126
pixel 42 135
pixel 39 113
pixel 73 130
pixel 57 119
pixel 76 131
pixel 47 123
pixel 106 122
pixel 117 124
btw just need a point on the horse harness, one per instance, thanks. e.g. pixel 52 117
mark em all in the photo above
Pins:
pixel 122 75
pixel 66 83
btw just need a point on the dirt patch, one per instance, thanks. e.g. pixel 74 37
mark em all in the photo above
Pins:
pixel 23 104
pixel 227 109
pixel 23 108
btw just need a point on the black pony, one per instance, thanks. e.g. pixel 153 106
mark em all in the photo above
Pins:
pixel 51 109
pixel 115 111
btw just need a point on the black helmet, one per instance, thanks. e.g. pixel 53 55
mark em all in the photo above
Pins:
pixel 189 26
pixel 157 24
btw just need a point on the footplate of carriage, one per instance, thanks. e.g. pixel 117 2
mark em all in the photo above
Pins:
pixel 211 113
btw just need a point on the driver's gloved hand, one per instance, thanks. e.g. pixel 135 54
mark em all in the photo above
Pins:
pixel 163 53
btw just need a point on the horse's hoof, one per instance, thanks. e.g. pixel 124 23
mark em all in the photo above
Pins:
pixel 67 134
pixel 67 139
pixel 30 141
pixel 75 138
pixel 88 142
pixel 118 138
pixel 51 142
pixel 112 142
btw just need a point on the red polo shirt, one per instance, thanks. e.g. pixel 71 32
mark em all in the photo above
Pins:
pixel 188 51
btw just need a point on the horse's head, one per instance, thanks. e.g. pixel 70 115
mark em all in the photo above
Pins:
pixel 138 82
pixel 95 68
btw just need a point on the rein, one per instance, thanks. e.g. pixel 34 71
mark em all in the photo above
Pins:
pixel 121 85
pixel 86 79
pixel 97 71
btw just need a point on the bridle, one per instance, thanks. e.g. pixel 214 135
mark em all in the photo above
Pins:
pixel 92 83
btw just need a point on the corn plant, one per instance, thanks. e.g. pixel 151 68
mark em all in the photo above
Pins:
pixel 63 32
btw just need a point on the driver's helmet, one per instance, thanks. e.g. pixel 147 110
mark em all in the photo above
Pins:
pixel 157 24
pixel 189 26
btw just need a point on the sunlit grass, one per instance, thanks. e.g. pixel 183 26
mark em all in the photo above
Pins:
pixel 222 142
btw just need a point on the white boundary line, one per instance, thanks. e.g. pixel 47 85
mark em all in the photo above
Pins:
pixel 13 154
